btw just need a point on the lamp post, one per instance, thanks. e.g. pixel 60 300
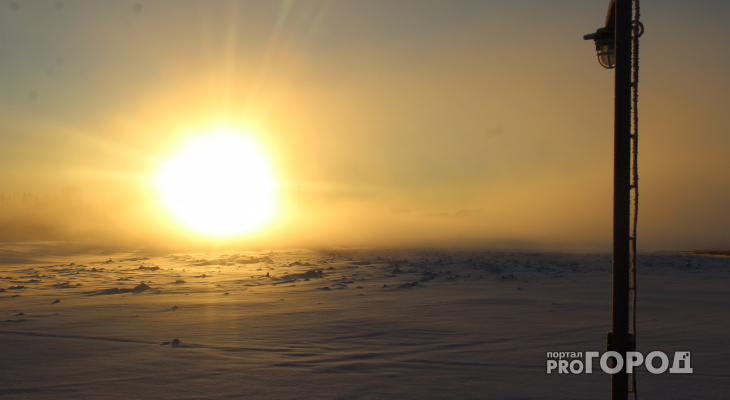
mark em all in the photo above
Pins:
pixel 614 50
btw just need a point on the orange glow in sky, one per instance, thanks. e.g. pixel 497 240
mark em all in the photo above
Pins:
pixel 416 122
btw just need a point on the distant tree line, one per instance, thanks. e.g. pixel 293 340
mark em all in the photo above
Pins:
pixel 68 215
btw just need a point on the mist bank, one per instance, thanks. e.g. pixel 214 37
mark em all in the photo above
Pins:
pixel 136 221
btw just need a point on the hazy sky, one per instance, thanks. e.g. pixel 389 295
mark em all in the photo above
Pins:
pixel 383 119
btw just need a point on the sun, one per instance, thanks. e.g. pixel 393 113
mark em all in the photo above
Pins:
pixel 218 184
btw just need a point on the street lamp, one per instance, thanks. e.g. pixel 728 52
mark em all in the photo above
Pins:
pixel 605 40
pixel 616 46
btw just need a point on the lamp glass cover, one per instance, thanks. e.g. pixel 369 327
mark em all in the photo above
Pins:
pixel 607 55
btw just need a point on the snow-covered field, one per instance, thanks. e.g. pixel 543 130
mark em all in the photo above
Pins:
pixel 344 324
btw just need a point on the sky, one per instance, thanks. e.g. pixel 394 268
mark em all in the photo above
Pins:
pixel 410 122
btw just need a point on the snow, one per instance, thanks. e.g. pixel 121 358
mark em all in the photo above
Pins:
pixel 344 323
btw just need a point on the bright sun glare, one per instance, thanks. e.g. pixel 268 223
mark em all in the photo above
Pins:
pixel 218 184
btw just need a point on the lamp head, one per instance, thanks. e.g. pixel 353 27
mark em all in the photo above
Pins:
pixel 605 40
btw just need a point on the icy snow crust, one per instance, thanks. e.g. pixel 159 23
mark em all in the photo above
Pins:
pixel 344 324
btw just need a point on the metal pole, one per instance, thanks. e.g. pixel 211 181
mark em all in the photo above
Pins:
pixel 620 340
